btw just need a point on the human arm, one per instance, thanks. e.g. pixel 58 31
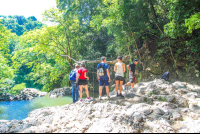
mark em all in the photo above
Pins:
pixel 108 73
pixel 115 68
pixel 124 68
pixel 97 76
pixel 128 67
pixel 97 72
pixel 86 76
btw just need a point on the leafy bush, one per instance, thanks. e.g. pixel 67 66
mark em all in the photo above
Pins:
pixel 17 88
pixel 193 22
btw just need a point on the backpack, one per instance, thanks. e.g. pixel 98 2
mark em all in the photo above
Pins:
pixel 72 76
pixel 101 70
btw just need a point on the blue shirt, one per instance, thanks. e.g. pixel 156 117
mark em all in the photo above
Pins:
pixel 105 67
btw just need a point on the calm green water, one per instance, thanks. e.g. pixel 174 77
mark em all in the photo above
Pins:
pixel 19 110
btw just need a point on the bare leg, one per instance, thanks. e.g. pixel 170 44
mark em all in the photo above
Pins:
pixel 117 84
pixel 81 88
pixel 120 86
pixel 129 83
pixel 86 90
pixel 133 85
pixel 100 90
pixel 107 90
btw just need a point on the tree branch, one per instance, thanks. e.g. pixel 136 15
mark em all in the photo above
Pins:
pixel 125 58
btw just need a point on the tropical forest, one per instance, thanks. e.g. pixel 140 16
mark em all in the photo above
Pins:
pixel 163 35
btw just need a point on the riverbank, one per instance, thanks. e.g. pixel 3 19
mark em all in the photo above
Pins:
pixel 155 106
pixel 19 110
pixel 25 94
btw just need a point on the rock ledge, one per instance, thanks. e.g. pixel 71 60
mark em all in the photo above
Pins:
pixel 150 107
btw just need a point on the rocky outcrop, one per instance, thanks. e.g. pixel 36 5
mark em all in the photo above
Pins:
pixel 153 66
pixel 60 92
pixel 25 94
pixel 155 106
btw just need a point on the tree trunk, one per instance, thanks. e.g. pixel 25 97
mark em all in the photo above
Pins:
pixel 129 50
pixel 152 9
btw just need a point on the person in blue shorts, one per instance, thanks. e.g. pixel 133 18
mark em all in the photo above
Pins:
pixel 103 76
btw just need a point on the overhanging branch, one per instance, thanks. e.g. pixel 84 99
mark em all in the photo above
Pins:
pixel 125 58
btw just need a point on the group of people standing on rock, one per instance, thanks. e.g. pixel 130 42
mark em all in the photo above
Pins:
pixel 79 78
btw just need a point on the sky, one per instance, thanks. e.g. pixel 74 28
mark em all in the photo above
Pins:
pixel 26 7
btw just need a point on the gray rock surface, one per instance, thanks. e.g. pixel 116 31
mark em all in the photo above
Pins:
pixel 25 94
pixel 142 110
pixel 60 92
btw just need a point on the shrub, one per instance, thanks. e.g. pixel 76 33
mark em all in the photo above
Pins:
pixel 17 88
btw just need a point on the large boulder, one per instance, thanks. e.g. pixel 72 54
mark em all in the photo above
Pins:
pixel 6 97
pixel 60 92
pixel 195 108
pixel 31 93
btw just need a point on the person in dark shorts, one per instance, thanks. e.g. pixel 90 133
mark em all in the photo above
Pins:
pixel 131 69
pixel 104 79
pixel 165 76
pixel 83 81
pixel 119 75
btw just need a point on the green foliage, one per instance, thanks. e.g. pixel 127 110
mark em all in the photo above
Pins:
pixel 197 73
pixel 17 88
pixel 6 72
pixel 183 28
pixel 20 24
pixel 180 10
pixel 193 22
pixel 89 29
pixel 10 45
pixel 42 55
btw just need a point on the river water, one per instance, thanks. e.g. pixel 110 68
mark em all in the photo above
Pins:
pixel 19 110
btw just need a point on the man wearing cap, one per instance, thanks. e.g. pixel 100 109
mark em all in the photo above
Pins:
pixel 131 69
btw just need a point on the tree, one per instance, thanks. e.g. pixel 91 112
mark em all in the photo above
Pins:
pixel 41 53
pixel 29 24
pixel 20 24
pixel 6 72
pixel 32 18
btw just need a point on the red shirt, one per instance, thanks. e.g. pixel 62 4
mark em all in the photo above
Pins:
pixel 82 77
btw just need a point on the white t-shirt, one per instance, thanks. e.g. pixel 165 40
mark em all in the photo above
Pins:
pixel 119 69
